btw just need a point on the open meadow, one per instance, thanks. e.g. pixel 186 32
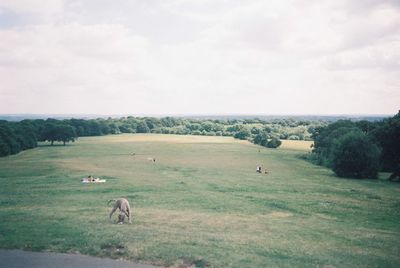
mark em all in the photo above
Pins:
pixel 201 203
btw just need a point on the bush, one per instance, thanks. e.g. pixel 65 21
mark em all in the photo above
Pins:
pixel 242 135
pixel 274 143
pixel 294 137
pixel 354 155
pixel 387 135
pixel 261 139
pixel 325 138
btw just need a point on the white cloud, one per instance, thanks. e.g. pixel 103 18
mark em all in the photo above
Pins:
pixel 202 57
pixel 86 62
pixel 28 6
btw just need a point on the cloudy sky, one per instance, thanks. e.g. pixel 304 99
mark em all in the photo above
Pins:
pixel 200 57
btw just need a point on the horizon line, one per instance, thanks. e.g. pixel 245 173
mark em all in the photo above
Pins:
pixel 194 114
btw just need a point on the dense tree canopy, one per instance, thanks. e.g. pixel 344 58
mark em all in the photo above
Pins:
pixel 242 134
pixel 387 135
pixel 355 155
pixel 17 136
pixel 359 149
pixel 61 132
pixel 261 138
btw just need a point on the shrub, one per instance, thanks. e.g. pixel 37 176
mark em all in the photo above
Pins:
pixel 274 143
pixel 354 155
pixel 242 135
pixel 387 135
pixel 293 137
pixel 261 139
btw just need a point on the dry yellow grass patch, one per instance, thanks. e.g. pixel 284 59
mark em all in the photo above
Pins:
pixel 278 214
pixel 296 145
pixel 165 138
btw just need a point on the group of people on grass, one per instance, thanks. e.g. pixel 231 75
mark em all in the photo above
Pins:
pixel 91 179
pixel 259 170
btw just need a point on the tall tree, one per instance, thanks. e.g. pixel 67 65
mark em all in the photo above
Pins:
pixel 58 132
pixel 355 155
pixel 387 135
pixel 65 133
pixel 142 127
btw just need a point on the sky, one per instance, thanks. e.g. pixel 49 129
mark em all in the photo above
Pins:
pixel 211 57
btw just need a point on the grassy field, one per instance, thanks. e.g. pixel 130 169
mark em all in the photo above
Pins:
pixel 201 204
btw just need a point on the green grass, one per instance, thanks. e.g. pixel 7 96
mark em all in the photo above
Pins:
pixel 201 203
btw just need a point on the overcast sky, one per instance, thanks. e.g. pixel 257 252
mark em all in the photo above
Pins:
pixel 200 57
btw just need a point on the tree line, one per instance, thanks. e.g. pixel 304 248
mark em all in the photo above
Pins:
pixel 359 149
pixel 25 134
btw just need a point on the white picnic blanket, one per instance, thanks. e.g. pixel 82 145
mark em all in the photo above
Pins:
pixel 97 180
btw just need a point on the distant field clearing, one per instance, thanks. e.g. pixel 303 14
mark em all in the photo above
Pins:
pixel 296 145
pixel 286 144
pixel 166 138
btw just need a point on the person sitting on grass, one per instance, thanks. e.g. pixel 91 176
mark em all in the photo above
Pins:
pixel 258 169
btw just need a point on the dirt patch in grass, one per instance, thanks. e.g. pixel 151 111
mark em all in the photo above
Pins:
pixel 114 249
